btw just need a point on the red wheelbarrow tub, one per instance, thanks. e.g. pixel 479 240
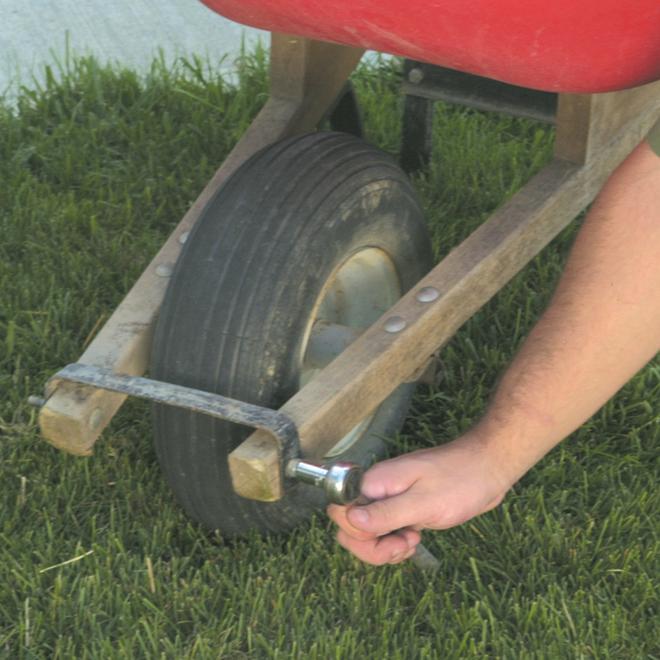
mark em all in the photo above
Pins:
pixel 571 46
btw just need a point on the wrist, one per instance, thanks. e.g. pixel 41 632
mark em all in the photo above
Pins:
pixel 511 443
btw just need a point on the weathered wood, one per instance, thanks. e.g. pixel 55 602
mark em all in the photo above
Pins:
pixel 368 371
pixel 306 77
pixel 586 123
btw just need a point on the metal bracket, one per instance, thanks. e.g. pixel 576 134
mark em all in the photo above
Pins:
pixel 278 424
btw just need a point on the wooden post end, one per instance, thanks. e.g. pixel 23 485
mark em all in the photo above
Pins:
pixel 255 470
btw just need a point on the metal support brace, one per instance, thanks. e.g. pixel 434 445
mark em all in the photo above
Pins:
pixel 273 422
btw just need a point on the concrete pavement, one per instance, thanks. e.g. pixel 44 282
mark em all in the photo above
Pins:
pixel 34 32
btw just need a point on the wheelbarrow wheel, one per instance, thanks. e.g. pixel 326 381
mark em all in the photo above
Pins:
pixel 318 228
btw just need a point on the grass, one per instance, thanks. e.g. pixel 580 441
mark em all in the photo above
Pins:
pixel 97 165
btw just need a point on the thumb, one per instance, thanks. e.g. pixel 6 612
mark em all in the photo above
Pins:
pixel 388 478
pixel 385 516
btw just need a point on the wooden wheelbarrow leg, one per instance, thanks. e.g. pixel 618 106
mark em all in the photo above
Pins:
pixel 306 78
pixel 594 133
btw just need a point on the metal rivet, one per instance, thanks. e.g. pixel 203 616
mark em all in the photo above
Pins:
pixel 427 294
pixel 416 75
pixel 395 324
pixel 184 237
pixel 164 270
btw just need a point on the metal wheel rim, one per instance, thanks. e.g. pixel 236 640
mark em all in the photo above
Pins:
pixel 358 292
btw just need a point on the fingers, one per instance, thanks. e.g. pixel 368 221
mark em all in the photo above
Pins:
pixel 338 513
pixel 391 549
pixel 378 518
pixel 382 532
pixel 342 517
pixel 412 536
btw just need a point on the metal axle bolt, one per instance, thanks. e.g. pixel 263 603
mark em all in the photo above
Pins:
pixel 340 481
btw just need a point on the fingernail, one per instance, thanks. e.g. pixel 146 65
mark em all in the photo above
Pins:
pixel 360 516
pixel 397 556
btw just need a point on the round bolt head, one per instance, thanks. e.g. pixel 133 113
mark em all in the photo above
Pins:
pixel 395 324
pixel 342 482
pixel 164 270
pixel 427 294
pixel 416 75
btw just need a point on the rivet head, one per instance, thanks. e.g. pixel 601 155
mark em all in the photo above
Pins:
pixel 427 294
pixel 395 324
pixel 416 75
pixel 164 270
pixel 184 237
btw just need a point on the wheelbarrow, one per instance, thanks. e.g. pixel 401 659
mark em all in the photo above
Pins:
pixel 295 305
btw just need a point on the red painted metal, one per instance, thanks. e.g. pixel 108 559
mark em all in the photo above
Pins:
pixel 557 45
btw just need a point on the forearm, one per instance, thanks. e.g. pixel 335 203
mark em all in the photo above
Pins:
pixel 602 325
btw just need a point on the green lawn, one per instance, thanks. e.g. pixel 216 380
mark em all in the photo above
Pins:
pixel 95 170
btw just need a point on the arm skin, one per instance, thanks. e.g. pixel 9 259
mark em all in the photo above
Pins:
pixel 601 326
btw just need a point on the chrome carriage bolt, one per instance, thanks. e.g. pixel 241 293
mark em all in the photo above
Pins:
pixel 340 481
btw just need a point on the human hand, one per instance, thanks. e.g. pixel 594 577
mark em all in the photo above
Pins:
pixel 434 488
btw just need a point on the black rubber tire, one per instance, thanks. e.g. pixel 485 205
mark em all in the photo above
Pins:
pixel 242 292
